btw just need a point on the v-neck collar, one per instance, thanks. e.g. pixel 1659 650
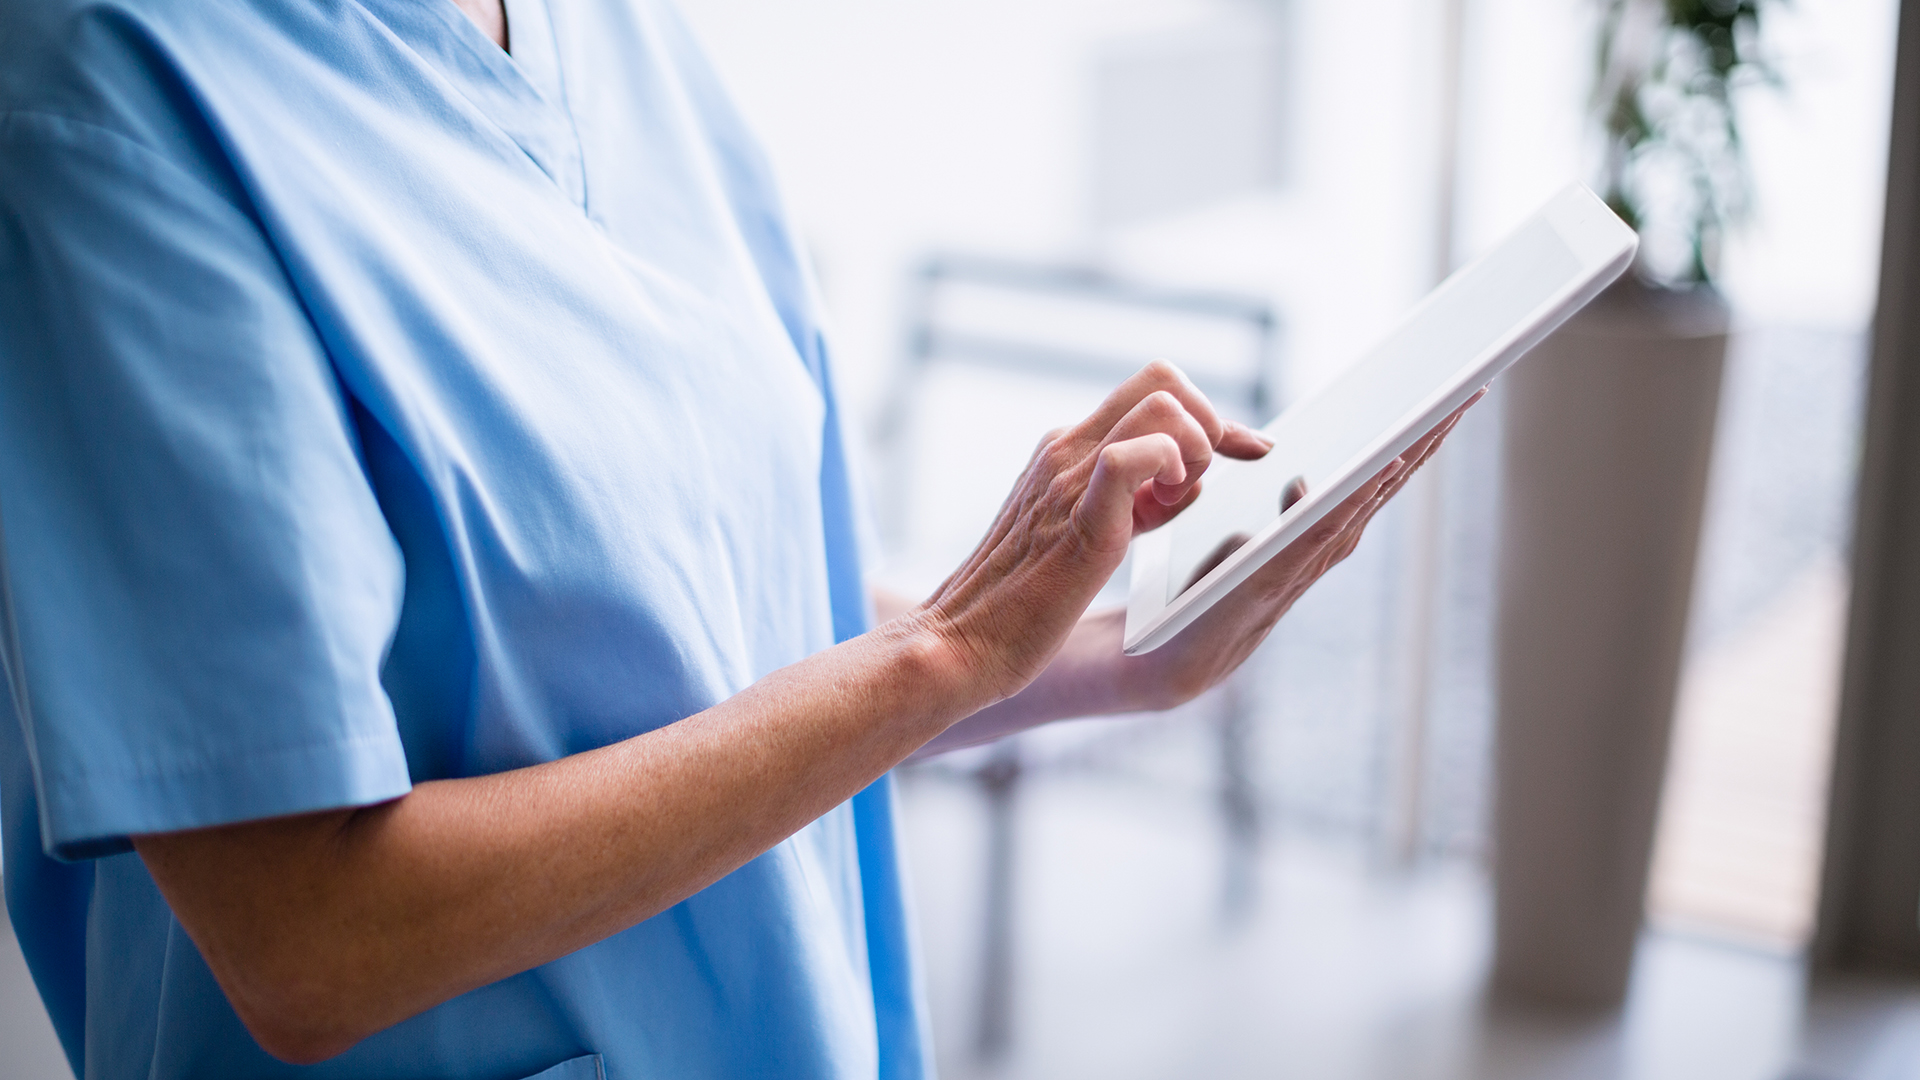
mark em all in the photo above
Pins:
pixel 523 94
pixel 535 55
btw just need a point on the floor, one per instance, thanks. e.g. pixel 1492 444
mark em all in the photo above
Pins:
pixel 1744 813
pixel 1343 971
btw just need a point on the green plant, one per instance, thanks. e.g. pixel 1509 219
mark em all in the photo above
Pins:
pixel 1664 87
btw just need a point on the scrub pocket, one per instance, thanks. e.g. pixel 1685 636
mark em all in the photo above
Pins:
pixel 584 1067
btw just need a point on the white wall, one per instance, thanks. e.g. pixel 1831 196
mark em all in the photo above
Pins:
pixel 905 125
pixel 900 127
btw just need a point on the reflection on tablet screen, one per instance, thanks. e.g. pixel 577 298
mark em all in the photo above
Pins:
pixel 1317 441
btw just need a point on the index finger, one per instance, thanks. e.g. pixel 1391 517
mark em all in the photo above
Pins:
pixel 1155 377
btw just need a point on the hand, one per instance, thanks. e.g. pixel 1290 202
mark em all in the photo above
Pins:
pixel 1089 489
pixel 1090 676
pixel 1220 640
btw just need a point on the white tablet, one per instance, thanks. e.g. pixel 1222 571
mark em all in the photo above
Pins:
pixel 1465 332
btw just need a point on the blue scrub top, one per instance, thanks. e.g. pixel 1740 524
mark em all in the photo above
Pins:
pixel 376 407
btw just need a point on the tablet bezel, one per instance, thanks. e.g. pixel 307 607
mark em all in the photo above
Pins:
pixel 1604 247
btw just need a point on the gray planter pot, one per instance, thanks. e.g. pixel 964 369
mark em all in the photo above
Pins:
pixel 1609 436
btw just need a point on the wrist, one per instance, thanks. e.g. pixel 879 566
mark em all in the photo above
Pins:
pixel 1094 676
pixel 943 668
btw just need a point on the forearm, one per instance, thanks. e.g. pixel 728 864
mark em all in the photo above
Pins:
pixel 326 928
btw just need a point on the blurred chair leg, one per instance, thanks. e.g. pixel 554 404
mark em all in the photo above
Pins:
pixel 1239 802
pixel 998 780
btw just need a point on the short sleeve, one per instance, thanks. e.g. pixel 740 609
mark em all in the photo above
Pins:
pixel 198 586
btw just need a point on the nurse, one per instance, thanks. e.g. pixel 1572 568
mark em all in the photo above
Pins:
pixel 434 638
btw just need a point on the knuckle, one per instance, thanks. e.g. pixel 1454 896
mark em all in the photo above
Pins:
pixel 1162 405
pixel 1197 431
pixel 1063 488
pixel 1054 455
pixel 1051 438
pixel 1162 371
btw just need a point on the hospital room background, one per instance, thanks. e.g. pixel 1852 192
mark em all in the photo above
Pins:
pixel 1010 204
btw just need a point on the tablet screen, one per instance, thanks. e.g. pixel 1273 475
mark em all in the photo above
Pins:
pixel 1314 443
